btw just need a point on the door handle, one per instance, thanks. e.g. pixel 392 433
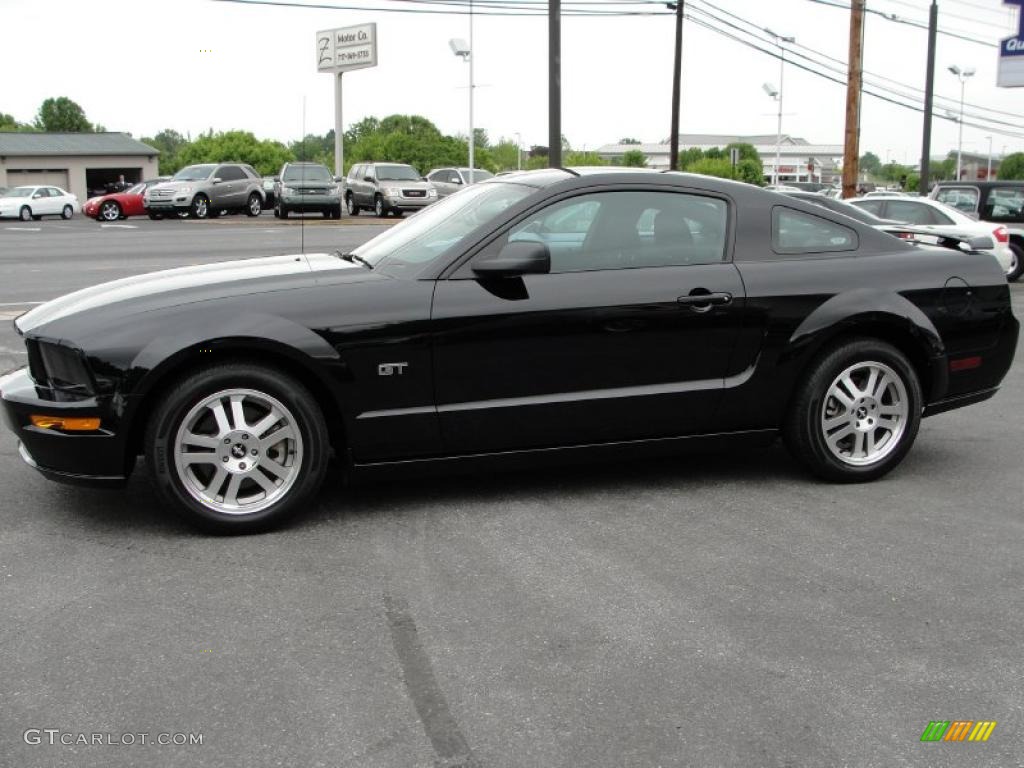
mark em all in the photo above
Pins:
pixel 701 300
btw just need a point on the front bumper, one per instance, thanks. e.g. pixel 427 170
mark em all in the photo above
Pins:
pixel 91 458
pixel 309 202
pixel 402 203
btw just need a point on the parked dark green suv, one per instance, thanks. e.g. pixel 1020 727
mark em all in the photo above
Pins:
pixel 305 187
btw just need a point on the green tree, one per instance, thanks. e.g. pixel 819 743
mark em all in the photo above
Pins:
pixel 1011 167
pixel 506 155
pixel 750 168
pixel 170 143
pixel 714 166
pixel 63 115
pixel 869 163
pixel 577 158
pixel 266 156
pixel 688 157
pixel 634 158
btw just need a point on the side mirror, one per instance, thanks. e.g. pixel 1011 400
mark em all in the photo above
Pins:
pixel 457 180
pixel 339 179
pixel 368 178
pixel 218 180
pixel 516 258
pixel 277 179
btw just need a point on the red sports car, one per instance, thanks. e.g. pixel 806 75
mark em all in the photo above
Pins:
pixel 119 205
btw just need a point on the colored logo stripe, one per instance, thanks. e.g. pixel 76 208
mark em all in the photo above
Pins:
pixel 935 730
pixel 982 730
pixel 958 730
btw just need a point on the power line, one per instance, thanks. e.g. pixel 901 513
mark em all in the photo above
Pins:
pixel 899 20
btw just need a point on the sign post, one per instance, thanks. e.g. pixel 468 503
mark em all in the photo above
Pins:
pixel 338 51
pixel 1011 53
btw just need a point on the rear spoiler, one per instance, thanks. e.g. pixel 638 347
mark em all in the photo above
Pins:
pixel 956 240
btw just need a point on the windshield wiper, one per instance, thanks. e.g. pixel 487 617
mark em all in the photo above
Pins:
pixel 353 258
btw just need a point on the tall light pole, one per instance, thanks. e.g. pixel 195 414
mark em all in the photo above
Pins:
pixel 465 51
pixel 519 152
pixel 962 75
pixel 673 158
pixel 773 92
pixel 988 172
pixel 779 40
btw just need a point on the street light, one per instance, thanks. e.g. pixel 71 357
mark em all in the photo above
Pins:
pixel 988 172
pixel 779 40
pixel 464 50
pixel 962 75
pixel 519 152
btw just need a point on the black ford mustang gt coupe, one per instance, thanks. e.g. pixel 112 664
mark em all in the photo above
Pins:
pixel 551 312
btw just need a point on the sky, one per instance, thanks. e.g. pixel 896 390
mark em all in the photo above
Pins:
pixel 144 65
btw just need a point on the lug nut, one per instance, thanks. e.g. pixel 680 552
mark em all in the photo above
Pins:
pixel 242 465
pixel 225 459
pixel 227 441
pixel 245 437
pixel 254 452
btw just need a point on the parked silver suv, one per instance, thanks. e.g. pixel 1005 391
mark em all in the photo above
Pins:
pixel 385 188
pixel 449 180
pixel 207 190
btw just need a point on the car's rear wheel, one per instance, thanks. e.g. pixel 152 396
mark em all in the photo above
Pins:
pixel 255 206
pixel 25 214
pixel 1017 268
pixel 67 212
pixel 350 205
pixel 237 448
pixel 282 212
pixel 110 211
pixel 200 208
pixel 857 413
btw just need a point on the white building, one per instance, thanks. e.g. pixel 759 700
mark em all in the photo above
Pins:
pixel 799 160
pixel 78 162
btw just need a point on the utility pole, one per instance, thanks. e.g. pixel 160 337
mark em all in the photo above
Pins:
pixel 554 83
pixel 673 161
pixel 851 153
pixel 929 90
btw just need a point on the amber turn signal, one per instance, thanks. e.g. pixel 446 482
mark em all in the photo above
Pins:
pixel 69 424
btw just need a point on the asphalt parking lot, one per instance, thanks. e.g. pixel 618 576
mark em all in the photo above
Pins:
pixel 695 611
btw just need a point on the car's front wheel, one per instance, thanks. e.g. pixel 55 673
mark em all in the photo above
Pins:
pixel 237 448
pixel 350 205
pixel 110 211
pixel 200 207
pixel 25 214
pixel 379 208
pixel 857 413
pixel 1017 268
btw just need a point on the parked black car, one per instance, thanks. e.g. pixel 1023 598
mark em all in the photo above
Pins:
pixel 994 202
pixel 554 313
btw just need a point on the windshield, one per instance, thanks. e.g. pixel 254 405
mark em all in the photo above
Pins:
pixel 307 173
pixel 396 173
pixel 194 173
pixel 19 192
pixel 478 175
pixel 409 246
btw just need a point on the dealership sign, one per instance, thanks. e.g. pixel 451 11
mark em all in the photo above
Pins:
pixel 1011 52
pixel 340 50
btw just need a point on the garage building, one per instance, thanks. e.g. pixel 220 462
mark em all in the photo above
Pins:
pixel 82 163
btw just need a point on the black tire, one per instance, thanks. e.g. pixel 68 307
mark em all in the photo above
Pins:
pixel 350 205
pixel 283 212
pixel 67 212
pixel 254 205
pixel 25 214
pixel 200 208
pixel 189 392
pixel 804 429
pixel 109 211
pixel 277 211
pixel 379 208
pixel 37 218
pixel 1017 271
pixel 156 216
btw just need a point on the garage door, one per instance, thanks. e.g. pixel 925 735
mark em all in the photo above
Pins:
pixel 27 178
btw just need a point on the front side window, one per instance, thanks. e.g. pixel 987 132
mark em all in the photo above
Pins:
pixel 138 189
pixel 230 173
pixel 1004 204
pixel 795 232
pixel 397 173
pixel 909 212
pixel 623 230
pixel 441 175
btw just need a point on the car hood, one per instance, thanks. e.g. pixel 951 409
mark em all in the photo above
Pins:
pixel 175 185
pixel 186 285
pixel 407 184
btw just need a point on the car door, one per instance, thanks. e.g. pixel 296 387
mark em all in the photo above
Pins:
pixel 628 337
pixel 227 194
pixel 367 186
pixel 444 180
pixel 41 203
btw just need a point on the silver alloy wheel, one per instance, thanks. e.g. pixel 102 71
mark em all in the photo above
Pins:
pixel 238 451
pixel 68 212
pixel 200 208
pixel 378 206
pixel 350 205
pixel 865 413
pixel 110 211
pixel 254 205
pixel 26 214
pixel 1013 263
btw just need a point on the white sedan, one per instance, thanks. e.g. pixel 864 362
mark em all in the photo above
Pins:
pixel 28 203
pixel 940 218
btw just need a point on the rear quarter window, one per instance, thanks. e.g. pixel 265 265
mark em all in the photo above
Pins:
pixel 796 233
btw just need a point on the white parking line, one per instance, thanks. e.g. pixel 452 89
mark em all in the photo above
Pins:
pixel 24 229
pixel 118 226
pixel 21 303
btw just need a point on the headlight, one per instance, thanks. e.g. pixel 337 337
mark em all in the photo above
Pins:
pixel 60 367
pixel 288 190
pixel 392 191
pixel 431 192
pixel 184 190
